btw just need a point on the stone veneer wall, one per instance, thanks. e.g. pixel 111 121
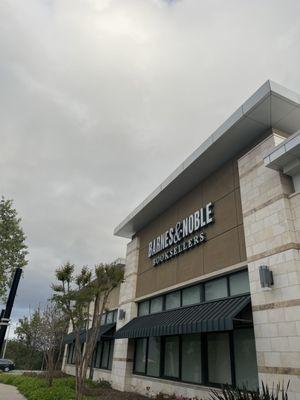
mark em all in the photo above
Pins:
pixel 124 349
pixel 272 223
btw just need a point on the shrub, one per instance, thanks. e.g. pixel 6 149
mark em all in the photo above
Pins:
pixel 35 388
pixel 43 374
pixel 163 396
pixel 99 384
pixel 230 393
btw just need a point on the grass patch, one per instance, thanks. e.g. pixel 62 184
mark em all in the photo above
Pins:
pixel 36 388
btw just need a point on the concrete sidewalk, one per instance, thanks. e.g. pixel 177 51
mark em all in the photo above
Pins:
pixel 8 392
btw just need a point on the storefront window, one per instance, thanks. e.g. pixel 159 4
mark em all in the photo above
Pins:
pixel 115 315
pixel 140 355
pixel 219 365
pixel 111 353
pixel 105 354
pixel 156 305
pixel 173 300
pixel 153 362
pixel 216 289
pixel 98 355
pixel 191 295
pixel 171 357
pixel 245 358
pixel 239 283
pixel 230 285
pixel 191 358
pixel 110 317
pixel 183 359
pixel 70 358
pixel 144 308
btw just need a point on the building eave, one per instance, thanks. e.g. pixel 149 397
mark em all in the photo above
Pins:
pixel 271 106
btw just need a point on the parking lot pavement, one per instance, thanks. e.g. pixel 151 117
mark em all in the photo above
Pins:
pixel 8 392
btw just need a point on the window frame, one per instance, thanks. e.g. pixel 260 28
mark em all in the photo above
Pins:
pixel 204 361
pixel 95 354
pixel 201 286
pixel 162 304
pixel 114 313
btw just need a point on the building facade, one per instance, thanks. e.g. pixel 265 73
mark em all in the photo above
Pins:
pixel 212 274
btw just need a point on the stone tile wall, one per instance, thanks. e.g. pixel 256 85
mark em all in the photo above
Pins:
pixel 123 350
pixel 271 222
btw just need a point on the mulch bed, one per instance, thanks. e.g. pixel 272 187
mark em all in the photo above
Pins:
pixel 111 394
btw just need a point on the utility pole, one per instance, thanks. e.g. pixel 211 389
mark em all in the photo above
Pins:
pixel 5 314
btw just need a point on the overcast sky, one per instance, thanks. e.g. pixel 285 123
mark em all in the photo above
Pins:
pixel 101 100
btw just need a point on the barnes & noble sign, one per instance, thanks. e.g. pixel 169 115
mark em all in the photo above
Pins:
pixel 177 240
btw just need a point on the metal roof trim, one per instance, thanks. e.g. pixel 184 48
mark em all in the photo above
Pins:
pixel 254 114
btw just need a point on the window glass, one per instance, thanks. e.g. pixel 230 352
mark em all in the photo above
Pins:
pixel 156 305
pixel 103 318
pixel 111 353
pixel 216 289
pixel 73 354
pixel 98 355
pixel 70 351
pixel 115 315
pixel 144 308
pixel 140 355
pixel 245 359
pixel 219 366
pixel 110 317
pixel 105 354
pixel 239 283
pixel 191 358
pixel 171 357
pixel 191 295
pixel 172 300
pixel 153 363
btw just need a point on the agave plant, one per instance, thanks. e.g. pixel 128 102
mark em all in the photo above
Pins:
pixel 232 393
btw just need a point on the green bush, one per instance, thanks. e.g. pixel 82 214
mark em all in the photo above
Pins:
pixel 99 384
pixel 35 388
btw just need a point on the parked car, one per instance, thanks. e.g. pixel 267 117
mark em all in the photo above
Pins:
pixel 6 365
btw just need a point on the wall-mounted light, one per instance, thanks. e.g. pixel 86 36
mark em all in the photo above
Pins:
pixel 122 314
pixel 266 277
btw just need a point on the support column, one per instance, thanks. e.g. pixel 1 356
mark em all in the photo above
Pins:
pixel 124 349
pixel 270 215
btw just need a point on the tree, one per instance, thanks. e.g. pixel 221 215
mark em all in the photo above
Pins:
pixel 53 327
pixel 28 333
pixel 43 333
pixel 22 356
pixel 13 250
pixel 74 294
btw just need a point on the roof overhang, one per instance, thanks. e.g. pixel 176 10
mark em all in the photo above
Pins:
pixel 271 106
pixel 286 156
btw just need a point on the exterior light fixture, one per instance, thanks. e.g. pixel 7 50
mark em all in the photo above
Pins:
pixel 266 277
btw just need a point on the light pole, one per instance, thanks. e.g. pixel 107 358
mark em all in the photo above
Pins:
pixel 5 314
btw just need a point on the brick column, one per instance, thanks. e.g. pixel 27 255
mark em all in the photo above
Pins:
pixel 123 351
pixel 270 215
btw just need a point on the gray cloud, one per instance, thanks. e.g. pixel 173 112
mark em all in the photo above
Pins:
pixel 101 100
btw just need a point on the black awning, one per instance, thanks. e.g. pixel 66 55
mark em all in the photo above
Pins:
pixel 69 338
pixel 211 316
pixel 106 331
